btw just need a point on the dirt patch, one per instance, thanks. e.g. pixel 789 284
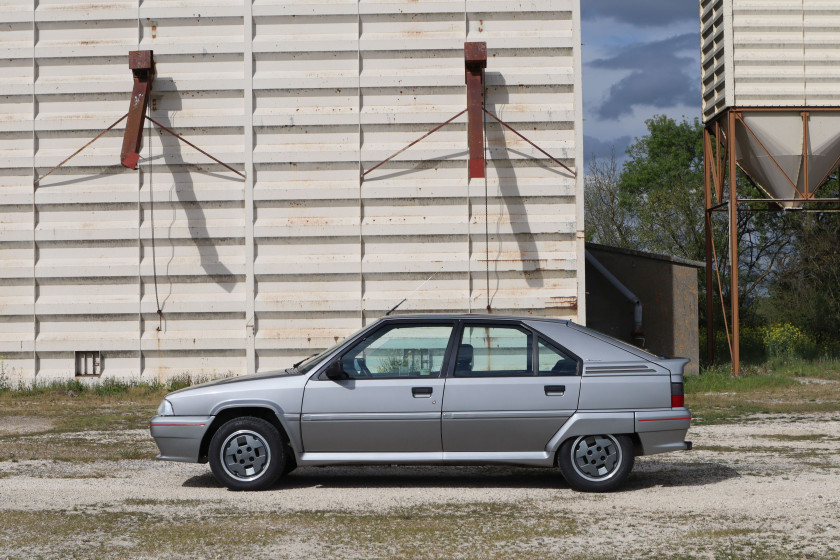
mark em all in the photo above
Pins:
pixel 17 425
pixel 815 381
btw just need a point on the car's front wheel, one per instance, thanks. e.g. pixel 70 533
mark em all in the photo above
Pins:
pixel 247 453
pixel 597 463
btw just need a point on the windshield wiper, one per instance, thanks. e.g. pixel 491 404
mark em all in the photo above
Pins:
pixel 294 366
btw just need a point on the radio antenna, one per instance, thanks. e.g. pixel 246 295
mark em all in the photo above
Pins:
pixel 412 293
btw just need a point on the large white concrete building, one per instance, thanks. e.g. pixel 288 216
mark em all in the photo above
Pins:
pixel 300 97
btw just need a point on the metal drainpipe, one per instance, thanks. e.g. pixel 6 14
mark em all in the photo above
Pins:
pixel 638 333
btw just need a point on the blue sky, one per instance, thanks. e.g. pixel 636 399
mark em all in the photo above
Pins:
pixel 640 58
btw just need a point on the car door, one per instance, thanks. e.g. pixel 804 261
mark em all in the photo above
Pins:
pixel 390 397
pixel 509 390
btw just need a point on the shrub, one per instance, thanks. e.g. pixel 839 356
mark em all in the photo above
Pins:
pixel 776 341
pixel 783 340
pixel 4 379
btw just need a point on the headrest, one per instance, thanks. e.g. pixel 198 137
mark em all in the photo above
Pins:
pixel 465 355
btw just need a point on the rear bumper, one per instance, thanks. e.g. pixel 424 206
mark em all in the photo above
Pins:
pixel 663 430
pixel 179 437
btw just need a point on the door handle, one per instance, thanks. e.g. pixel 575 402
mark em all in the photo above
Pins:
pixel 421 392
pixel 555 390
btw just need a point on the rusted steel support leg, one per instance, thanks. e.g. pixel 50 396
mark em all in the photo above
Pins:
pixel 142 65
pixel 805 155
pixel 475 61
pixel 708 162
pixel 733 246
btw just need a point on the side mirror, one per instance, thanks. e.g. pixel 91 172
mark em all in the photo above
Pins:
pixel 335 371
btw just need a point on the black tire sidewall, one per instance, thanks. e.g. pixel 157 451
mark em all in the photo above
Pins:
pixel 275 447
pixel 577 482
pixel 290 463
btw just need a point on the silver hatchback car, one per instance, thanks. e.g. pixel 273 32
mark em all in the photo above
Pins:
pixel 439 389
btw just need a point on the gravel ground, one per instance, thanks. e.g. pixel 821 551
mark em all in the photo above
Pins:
pixel 768 487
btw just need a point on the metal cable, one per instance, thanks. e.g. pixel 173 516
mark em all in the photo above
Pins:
pixel 487 243
pixel 546 154
pixel 74 154
pixel 152 224
pixel 190 144
pixel 720 291
pixel 486 207
pixel 435 129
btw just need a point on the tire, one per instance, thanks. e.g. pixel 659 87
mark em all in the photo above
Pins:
pixel 291 463
pixel 596 463
pixel 259 450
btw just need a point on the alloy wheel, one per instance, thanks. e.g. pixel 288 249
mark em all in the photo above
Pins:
pixel 245 455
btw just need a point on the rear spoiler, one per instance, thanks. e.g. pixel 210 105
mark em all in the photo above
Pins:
pixel 674 365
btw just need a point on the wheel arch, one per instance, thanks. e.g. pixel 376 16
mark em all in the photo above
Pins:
pixel 229 411
pixel 592 423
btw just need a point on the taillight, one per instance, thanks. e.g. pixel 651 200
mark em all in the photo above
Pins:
pixel 677 395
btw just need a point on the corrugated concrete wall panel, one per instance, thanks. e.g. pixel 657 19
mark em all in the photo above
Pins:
pixel 251 274
pixel 757 53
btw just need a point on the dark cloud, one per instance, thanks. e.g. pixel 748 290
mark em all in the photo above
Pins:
pixel 604 149
pixel 641 13
pixel 659 76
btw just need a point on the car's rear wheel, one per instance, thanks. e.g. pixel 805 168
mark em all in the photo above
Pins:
pixel 247 454
pixel 596 463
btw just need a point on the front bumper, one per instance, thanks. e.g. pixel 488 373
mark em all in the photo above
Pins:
pixel 179 437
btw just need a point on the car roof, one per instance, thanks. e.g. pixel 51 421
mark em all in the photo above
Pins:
pixel 481 316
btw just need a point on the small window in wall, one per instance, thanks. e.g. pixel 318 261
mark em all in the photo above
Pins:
pixel 88 364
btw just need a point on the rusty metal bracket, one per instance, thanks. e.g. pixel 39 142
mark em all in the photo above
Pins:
pixel 142 64
pixel 475 61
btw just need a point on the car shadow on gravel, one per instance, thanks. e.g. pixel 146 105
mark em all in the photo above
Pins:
pixel 405 477
pixel 675 475
pixel 679 474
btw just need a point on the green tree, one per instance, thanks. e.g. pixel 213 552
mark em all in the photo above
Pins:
pixel 655 203
pixel 662 185
pixel 806 292
pixel 607 220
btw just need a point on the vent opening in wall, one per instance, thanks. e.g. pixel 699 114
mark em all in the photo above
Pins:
pixel 88 364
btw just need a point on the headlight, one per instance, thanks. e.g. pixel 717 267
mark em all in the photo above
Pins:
pixel 165 409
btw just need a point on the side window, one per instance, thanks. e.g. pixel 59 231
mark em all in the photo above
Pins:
pixel 555 362
pixel 493 351
pixel 400 351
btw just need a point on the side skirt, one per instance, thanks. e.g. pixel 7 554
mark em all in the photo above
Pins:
pixel 531 459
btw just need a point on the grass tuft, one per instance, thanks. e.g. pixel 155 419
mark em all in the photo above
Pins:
pixel 106 387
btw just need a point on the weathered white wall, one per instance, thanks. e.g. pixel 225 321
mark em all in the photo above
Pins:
pixel 300 96
pixel 769 53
